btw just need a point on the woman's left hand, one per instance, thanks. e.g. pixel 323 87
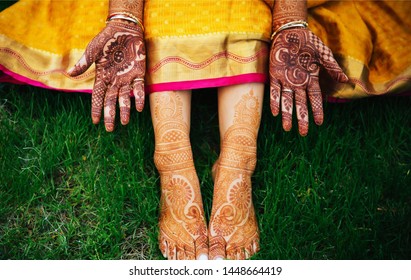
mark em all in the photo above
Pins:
pixel 120 57
pixel 295 59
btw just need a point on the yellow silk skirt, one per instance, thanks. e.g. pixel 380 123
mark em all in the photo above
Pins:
pixel 204 43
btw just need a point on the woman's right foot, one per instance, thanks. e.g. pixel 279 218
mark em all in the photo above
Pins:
pixel 183 231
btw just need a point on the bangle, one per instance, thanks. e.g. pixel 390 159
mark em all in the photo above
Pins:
pixel 125 16
pixel 291 24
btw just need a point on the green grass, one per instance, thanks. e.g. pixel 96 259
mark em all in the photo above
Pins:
pixel 70 190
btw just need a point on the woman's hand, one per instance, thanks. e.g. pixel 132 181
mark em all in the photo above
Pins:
pixel 119 54
pixel 295 59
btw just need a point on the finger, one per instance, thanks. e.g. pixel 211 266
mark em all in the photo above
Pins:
pixel 287 108
pixel 124 102
pixel 89 57
pixel 139 94
pixel 301 111
pixel 275 93
pixel 110 108
pixel 97 98
pixel 330 64
pixel 316 99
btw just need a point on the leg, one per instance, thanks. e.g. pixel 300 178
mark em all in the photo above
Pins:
pixel 233 229
pixel 183 232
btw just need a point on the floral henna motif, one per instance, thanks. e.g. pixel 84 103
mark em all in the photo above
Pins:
pixel 295 59
pixel 183 232
pixel 233 230
pixel 134 7
pixel 288 10
pixel 119 54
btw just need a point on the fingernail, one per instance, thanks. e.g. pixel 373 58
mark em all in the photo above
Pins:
pixel 109 127
pixel 124 121
pixel 319 120
pixel 344 78
pixel 287 126
pixel 96 120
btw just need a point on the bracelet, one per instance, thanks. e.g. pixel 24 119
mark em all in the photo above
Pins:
pixel 125 16
pixel 291 24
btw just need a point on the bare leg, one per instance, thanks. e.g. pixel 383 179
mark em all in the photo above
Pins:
pixel 183 232
pixel 233 229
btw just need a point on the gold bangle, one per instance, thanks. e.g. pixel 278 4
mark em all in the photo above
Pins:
pixel 291 24
pixel 126 16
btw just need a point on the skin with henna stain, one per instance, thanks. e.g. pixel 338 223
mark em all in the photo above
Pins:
pixel 120 57
pixel 233 229
pixel 183 232
pixel 295 59
pixel 296 56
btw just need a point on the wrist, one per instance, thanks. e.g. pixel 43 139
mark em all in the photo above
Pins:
pixel 290 25
pixel 125 17
pixel 287 11
pixel 133 7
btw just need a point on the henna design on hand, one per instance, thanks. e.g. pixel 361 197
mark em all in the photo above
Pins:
pixel 183 232
pixel 295 59
pixel 119 54
pixel 233 230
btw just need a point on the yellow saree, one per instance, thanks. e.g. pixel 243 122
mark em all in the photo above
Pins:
pixel 193 44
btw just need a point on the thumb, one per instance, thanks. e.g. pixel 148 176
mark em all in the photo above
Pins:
pixel 335 70
pixel 89 57
pixel 80 67
pixel 330 64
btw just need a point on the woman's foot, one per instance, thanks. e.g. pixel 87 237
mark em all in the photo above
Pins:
pixel 183 232
pixel 233 229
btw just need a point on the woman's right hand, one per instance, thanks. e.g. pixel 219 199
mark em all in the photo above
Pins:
pixel 120 57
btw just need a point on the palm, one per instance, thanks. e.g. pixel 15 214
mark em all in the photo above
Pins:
pixel 119 54
pixel 295 59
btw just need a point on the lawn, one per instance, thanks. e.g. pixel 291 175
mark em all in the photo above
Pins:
pixel 70 190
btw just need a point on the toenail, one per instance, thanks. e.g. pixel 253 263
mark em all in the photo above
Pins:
pixel 203 257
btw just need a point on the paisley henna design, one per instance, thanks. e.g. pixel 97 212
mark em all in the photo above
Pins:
pixel 233 229
pixel 183 232
pixel 295 59
pixel 119 54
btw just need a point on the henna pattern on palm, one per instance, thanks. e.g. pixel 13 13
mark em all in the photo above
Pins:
pixel 119 54
pixel 183 232
pixel 295 59
pixel 233 229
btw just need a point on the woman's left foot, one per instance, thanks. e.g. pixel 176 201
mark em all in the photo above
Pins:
pixel 233 230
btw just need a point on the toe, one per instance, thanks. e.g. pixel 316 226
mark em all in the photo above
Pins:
pixel 189 253
pixel 256 246
pixel 180 254
pixel 201 247
pixel 236 254
pixel 171 251
pixel 163 247
pixel 241 254
pixel 217 248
